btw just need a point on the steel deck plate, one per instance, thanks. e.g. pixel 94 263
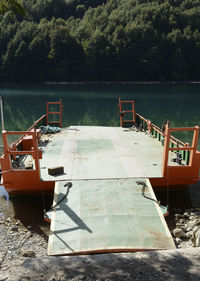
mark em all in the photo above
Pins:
pixel 107 216
pixel 101 153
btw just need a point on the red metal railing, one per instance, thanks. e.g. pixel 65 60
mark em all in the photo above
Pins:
pixel 12 149
pixel 123 112
pixel 50 113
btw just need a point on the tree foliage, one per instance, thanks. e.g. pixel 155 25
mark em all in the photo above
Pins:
pixel 13 6
pixel 118 40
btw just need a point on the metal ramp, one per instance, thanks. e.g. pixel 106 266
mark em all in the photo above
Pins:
pixel 112 215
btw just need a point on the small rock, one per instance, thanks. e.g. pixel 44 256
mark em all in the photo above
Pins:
pixel 192 217
pixel 179 233
pixel 29 227
pixel 178 216
pixel 14 228
pixel 189 228
pixel 193 223
pixel 8 219
pixel 189 234
pixel 184 228
pixel 186 215
pixel 28 253
pixel 178 240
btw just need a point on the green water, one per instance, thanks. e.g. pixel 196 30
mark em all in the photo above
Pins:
pixel 96 104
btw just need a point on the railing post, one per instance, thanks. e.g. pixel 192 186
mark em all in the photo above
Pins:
pixel 35 150
pixel 194 145
pixel 149 125
pixel 6 150
pixel 2 116
pixel 167 135
pixel 47 112
pixel 120 115
pixel 133 108
pixel 60 113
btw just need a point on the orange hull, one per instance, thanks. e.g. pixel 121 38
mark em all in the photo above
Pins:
pixel 27 181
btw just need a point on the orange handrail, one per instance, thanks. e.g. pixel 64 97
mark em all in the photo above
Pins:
pixel 8 150
pixel 194 157
pixel 55 113
pixel 122 112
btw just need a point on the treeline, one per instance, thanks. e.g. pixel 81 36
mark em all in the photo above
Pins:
pixel 99 40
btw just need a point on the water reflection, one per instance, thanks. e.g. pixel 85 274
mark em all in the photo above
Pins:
pixel 96 103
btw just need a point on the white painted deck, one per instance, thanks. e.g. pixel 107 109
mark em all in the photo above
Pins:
pixel 88 152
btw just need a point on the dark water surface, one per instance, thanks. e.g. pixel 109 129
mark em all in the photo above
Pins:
pixel 96 104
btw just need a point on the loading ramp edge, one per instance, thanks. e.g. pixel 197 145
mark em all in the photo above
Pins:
pixel 107 216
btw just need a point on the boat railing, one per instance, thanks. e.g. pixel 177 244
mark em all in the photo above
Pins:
pixel 57 113
pixel 159 133
pixel 16 149
pixel 40 122
pixel 188 153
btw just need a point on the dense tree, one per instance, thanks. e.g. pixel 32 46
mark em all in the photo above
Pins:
pixel 121 40
pixel 13 6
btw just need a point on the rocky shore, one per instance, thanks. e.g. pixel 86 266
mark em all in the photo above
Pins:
pixel 17 242
pixel 23 251
pixel 187 230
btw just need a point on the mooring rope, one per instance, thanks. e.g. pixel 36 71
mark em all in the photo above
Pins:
pixel 144 186
pixel 69 185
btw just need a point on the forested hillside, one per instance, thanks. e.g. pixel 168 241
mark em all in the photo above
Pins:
pixel 99 40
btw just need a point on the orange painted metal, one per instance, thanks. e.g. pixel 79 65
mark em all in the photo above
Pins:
pixel 122 112
pixel 59 103
pixel 174 175
pixel 183 174
pixel 23 181
pixel 17 180
pixel 179 175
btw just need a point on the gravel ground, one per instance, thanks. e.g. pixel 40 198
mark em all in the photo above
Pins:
pixel 23 244
pixel 179 265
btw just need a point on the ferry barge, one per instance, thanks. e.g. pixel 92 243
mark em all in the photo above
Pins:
pixel 102 179
pixel 137 148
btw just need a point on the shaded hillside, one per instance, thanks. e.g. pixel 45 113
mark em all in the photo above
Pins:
pixel 118 40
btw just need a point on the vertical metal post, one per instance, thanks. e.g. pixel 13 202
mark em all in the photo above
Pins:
pixel 47 113
pixel 167 135
pixel 194 145
pixel 35 150
pixel 60 113
pixel 133 109
pixel 2 117
pixel 120 110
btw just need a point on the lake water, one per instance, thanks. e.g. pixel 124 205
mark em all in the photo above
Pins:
pixel 90 104
pixel 96 104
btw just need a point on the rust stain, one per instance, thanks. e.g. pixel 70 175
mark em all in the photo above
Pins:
pixel 159 239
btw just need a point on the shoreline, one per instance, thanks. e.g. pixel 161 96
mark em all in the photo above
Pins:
pixel 189 82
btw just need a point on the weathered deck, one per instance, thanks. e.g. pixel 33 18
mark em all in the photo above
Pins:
pixel 107 215
pixel 107 209
pixel 102 153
